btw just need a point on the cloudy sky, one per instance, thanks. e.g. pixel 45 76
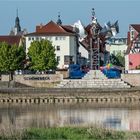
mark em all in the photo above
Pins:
pixel 34 12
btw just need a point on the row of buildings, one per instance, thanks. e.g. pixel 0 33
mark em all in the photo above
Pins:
pixel 72 42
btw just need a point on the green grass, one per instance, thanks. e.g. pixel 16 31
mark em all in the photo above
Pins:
pixel 73 133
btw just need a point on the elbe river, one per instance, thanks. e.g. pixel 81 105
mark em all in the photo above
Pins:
pixel 113 116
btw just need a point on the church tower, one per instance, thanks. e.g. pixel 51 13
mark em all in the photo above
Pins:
pixel 17 27
pixel 59 22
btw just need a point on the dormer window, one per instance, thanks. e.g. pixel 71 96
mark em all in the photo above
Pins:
pixel 132 34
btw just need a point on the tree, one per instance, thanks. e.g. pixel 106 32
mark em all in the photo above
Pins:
pixel 42 56
pixel 117 59
pixel 11 58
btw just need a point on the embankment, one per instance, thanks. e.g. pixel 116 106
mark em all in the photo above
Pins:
pixel 67 95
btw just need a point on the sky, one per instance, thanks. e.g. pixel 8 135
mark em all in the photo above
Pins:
pixel 35 12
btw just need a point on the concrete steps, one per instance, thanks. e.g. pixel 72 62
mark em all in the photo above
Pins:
pixel 93 79
pixel 94 74
pixel 94 83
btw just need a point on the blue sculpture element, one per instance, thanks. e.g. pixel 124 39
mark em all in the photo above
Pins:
pixel 112 72
pixel 75 71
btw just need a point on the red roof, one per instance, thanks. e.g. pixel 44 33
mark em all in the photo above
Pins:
pixel 136 27
pixel 53 29
pixel 68 28
pixel 11 40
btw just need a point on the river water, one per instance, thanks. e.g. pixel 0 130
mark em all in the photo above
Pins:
pixel 114 116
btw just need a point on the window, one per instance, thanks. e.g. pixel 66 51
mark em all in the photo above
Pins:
pixel 50 38
pixel 58 58
pixel 68 59
pixel 56 38
pixel 37 38
pixel 132 34
pixel 29 39
pixel 58 48
pixel 32 38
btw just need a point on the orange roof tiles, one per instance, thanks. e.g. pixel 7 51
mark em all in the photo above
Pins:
pixel 11 40
pixel 53 29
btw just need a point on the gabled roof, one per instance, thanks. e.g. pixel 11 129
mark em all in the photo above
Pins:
pixel 11 40
pixel 52 29
pixel 136 27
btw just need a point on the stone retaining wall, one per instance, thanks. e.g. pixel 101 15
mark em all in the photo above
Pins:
pixel 40 80
pixel 52 96
pixel 132 78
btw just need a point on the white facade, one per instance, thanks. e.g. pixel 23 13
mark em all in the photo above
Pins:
pixel 64 46
pixel 127 62
pixel 83 54
pixel 116 48
pixel 117 45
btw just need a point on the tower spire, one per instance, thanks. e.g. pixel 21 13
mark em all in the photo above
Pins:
pixel 17 23
pixel 17 12
pixel 59 22
pixel 94 19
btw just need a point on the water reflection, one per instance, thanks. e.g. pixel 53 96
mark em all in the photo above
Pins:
pixel 48 115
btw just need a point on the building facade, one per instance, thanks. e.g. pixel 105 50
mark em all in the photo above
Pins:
pixel 63 38
pixel 132 57
pixel 117 46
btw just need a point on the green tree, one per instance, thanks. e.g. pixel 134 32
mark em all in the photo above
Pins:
pixel 117 59
pixel 42 56
pixel 11 58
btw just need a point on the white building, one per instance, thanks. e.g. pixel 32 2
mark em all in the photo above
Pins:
pixel 117 45
pixel 83 51
pixel 63 38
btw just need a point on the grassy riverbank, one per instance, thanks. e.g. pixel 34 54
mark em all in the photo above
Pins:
pixel 71 133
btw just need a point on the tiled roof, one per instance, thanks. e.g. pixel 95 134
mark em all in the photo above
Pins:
pixel 49 34
pixel 68 28
pixel 11 40
pixel 52 29
pixel 130 43
pixel 136 27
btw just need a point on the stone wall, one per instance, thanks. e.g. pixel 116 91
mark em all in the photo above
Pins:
pixel 132 78
pixel 64 72
pixel 36 80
